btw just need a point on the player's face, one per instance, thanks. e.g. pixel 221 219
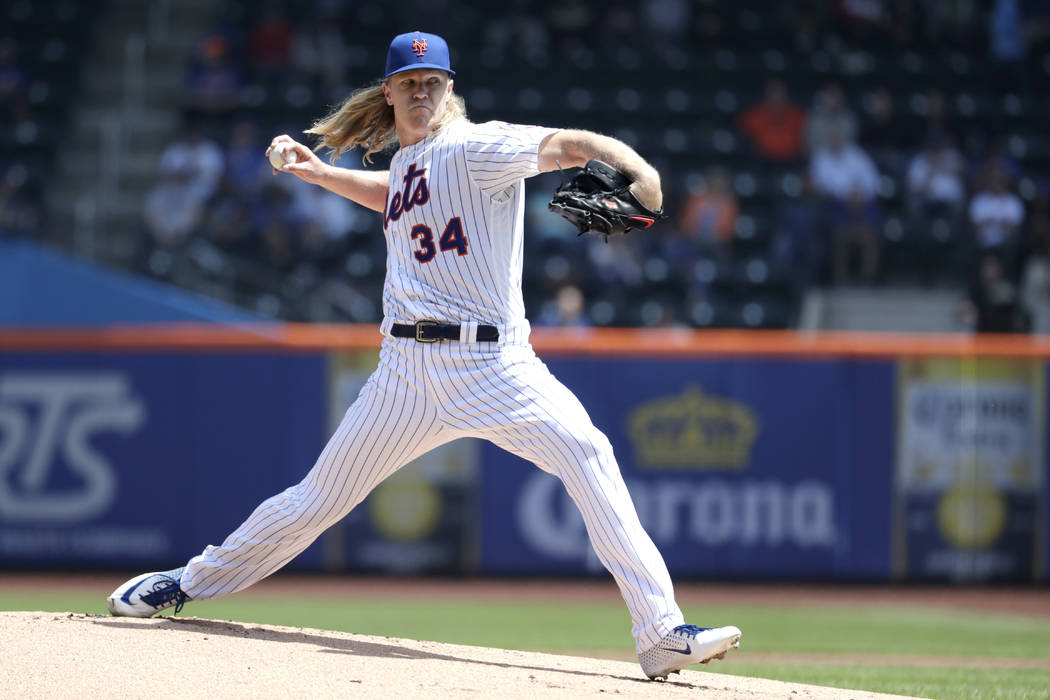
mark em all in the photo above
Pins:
pixel 418 98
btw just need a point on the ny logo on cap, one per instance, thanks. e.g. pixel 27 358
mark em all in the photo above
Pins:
pixel 419 46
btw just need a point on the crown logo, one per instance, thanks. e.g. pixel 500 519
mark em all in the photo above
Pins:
pixel 692 430
pixel 419 46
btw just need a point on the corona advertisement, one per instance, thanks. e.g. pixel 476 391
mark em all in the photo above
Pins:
pixel 736 468
pixel 968 487
pixel 693 431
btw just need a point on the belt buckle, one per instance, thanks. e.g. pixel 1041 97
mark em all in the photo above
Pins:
pixel 420 325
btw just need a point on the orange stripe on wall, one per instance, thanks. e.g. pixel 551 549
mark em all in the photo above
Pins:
pixel 548 341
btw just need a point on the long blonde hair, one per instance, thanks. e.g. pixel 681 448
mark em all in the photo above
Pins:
pixel 365 119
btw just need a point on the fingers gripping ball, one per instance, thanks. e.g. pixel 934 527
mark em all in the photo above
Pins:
pixel 598 199
pixel 282 153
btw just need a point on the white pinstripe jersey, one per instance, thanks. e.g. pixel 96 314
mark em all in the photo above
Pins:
pixel 454 223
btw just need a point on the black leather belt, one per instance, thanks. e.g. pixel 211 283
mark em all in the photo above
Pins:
pixel 432 331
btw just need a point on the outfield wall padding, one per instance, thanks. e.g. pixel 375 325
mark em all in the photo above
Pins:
pixel 767 455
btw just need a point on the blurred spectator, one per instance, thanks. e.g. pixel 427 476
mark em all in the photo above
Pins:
pixel 841 168
pixel 199 158
pixel 279 225
pixel 936 201
pixel 996 215
pixel 884 135
pixel 806 21
pixel 847 178
pixel 566 309
pixel 680 253
pixel 616 264
pixel 997 157
pixel 709 214
pixel 956 47
pixel 213 84
pixel 246 162
pixel 228 220
pixel 799 236
pixel 173 211
pixel 655 313
pixel 775 124
pixel 829 115
pixel 327 220
pixel 994 304
pixel 864 23
pixel 935 180
pixel 938 118
pixel 1006 44
pixel 270 45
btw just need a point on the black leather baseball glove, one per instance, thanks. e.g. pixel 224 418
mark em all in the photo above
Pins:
pixel 598 199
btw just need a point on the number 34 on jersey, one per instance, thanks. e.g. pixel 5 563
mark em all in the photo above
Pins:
pixel 452 238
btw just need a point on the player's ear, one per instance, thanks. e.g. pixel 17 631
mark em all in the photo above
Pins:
pixel 386 93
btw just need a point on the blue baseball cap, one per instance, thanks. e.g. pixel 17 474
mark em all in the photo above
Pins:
pixel 417 50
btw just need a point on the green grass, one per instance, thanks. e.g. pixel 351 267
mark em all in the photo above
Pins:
pixel 604 627
pixel 923 681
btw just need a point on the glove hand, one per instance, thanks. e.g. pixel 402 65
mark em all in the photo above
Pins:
pixel 601 199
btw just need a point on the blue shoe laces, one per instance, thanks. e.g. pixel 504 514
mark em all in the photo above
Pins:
pixel 163 594
pixel 691 630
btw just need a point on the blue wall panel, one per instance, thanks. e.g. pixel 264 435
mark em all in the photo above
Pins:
pixel 143 459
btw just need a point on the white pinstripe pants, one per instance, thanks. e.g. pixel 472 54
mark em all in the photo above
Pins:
pixel 424 395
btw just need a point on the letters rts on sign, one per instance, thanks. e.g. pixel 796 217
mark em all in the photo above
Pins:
pixel 50 470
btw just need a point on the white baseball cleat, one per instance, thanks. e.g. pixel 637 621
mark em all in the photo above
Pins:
pixel 148 594
pixel 686 645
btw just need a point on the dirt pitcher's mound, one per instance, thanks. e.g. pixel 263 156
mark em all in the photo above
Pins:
pixel 60 655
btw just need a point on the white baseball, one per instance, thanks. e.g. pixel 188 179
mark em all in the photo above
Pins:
pixel 280 154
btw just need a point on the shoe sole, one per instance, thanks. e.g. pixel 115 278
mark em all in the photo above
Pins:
pixel 119 608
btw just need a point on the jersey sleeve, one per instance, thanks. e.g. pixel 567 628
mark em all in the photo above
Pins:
pixel 499 154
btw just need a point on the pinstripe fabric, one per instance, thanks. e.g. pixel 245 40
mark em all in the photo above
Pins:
pixel 473 173
pixel 423 395
pixel 390 424
pixel 512 399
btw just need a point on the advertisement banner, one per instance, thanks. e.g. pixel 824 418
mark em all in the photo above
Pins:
pixel 738 468
pixel 140 460
pixel 969 481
